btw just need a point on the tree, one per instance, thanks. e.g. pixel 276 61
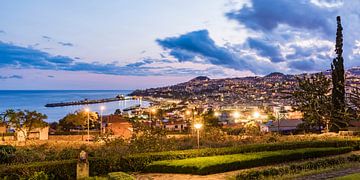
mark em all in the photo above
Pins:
pixel 25 121
pixel 338 81
pixel 210 119
pixel 312 98
pixel 78 120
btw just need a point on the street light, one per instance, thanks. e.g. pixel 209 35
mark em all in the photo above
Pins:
pixel 150 113
pixel 256 115
pixel 216 114
pixel 236 114
pixel 197 127
pixel 102 108
pixel 88 123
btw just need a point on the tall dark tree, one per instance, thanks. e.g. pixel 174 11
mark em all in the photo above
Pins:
pixel 338 81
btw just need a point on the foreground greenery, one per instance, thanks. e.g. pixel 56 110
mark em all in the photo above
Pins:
pixel 297 169
pixel 217 164
pixel 350 177
pixel 23 162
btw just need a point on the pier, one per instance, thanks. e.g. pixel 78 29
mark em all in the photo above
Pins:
pixel 97 101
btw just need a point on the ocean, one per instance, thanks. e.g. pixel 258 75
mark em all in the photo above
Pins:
pixel 36 100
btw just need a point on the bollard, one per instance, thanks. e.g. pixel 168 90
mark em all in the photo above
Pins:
pixel 82 167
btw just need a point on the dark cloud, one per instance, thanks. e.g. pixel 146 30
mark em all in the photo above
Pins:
pixel 265 16
pixel 48 38
pixel 11 77
pixel 51 76
pixel 2 32
pixel 66 44
pixel 199 44
pixel 266 49
pixel 13 56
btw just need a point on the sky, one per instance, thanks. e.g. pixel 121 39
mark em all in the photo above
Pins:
pixel 133 44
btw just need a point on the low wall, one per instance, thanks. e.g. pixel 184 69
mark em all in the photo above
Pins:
pixel 66 137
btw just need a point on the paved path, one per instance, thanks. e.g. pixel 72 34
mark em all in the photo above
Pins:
pixel 165 176
pixel 332 174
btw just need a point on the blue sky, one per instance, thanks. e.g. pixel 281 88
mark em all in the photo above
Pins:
pixel 128 44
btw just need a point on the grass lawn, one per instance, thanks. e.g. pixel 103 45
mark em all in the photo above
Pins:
pixel 217 164
pixel 349 177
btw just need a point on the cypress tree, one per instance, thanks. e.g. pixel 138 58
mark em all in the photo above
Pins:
pixel 338 82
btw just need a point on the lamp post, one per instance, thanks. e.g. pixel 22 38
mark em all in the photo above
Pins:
pixel 88 123
pixel 152 111
pixel 101 118
pixel 197 127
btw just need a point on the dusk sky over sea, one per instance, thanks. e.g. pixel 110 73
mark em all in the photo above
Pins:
pixel 127 44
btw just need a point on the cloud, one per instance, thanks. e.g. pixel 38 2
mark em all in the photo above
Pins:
pixel 189 46
pixel 266 49
pixel 14 56
pixel 2 32
pixel 11 77
pixel 198 47
pixel 268 15
pixel 299 35
pixel 51 76
pixel 66 44
pixel 48 38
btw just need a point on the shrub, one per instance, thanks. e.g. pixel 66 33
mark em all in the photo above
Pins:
pixel 65 169
pixel 217 164
pixel 137 162
pixel 294 168
pixel 39 176
pixel 6 153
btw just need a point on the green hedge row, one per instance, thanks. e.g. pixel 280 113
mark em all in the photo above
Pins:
pixel 218 164
pixel 137 162
pixel 297 167
pixel 65 169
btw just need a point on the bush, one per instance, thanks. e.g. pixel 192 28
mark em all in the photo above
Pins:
pixel 59 169
pixel 137 162
pixel 6 153
pixel 218 164
pixel 39 176
pixel 295 168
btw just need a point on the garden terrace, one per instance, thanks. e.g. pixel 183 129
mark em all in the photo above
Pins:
pixel 217 164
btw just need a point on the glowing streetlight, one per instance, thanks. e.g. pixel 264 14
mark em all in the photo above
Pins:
pixel 188 112
pixel 88 123
pixel 256 115
pixel 102 108
pixel 236 114
pixel 152 111
pixel 216 114
pixel 197 127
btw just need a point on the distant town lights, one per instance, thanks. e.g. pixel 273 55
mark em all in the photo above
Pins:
pixel 217 114
pixel 153 110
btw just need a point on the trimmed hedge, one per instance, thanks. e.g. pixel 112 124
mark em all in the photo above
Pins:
pixel 65 169
pixel 218 164
pixel 138 162
pixel 294 168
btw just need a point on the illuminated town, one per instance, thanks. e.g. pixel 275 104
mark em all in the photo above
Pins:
pixel 173 90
